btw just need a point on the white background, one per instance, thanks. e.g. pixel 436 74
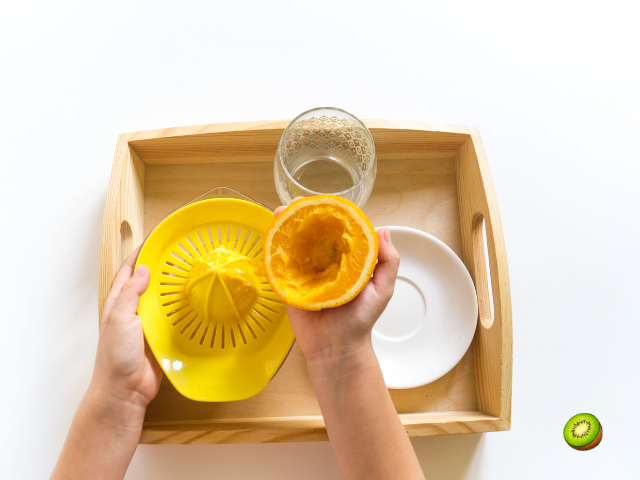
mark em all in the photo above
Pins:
pixel 552 86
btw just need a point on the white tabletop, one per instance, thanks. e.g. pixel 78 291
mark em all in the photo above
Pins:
pixel 552 86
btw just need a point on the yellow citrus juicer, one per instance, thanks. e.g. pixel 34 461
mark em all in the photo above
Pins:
pixel 213 323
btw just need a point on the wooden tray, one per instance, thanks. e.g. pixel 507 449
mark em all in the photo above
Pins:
pixel 431 177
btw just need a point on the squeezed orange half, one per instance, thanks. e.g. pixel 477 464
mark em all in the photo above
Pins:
pixel 320 252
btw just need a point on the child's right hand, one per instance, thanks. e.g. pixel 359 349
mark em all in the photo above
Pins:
pixel 328 335
pixel 367 438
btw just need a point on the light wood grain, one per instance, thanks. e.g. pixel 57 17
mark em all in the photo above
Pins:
pixel 430 177
pixel 311 428
pixel 132 199
pixel 124 203
pixel 427 129
pixel 257 142
pixel 492 346
pixel 290 393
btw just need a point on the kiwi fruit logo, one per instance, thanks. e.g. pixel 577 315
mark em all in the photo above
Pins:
pixel 583 431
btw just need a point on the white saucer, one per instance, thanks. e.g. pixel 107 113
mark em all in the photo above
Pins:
pixel 431 318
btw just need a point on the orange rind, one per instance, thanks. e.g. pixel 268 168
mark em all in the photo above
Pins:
pixel 320 252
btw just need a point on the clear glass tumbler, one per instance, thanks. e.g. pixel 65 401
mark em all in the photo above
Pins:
pixel 325 151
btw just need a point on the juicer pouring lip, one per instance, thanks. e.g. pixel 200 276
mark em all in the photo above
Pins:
pixel 216 192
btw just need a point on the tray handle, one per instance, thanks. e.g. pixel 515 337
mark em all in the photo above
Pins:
pixel 122 225
pixel 492 345
pixel 481 263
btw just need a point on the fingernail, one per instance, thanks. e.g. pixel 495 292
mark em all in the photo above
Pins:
pixel 141 271
pixel 387 235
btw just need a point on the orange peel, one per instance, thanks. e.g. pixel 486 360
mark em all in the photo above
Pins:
pixel 320 252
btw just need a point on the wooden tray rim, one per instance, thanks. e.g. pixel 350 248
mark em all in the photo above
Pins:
pixel 459 422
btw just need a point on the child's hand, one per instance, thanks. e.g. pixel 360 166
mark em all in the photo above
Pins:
pixel 367 437
pixel 107 425
pixel 125 368
pixel 331 333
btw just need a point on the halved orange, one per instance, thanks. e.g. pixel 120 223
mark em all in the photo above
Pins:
pixel 320 252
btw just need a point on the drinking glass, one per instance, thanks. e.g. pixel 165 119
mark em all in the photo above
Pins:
pixel 325 151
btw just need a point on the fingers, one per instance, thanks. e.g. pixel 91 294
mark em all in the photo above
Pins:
pixel 124 274
pixel 384 276
pixel 279 210
pixel 126 303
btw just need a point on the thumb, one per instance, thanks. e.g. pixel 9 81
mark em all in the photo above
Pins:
pixel 127 302
pixel 384 276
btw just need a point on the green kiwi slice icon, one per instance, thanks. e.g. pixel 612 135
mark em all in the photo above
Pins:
pixel 583 431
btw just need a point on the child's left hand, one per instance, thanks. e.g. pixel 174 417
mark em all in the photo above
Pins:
pixel 125 368
pixel 106 428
